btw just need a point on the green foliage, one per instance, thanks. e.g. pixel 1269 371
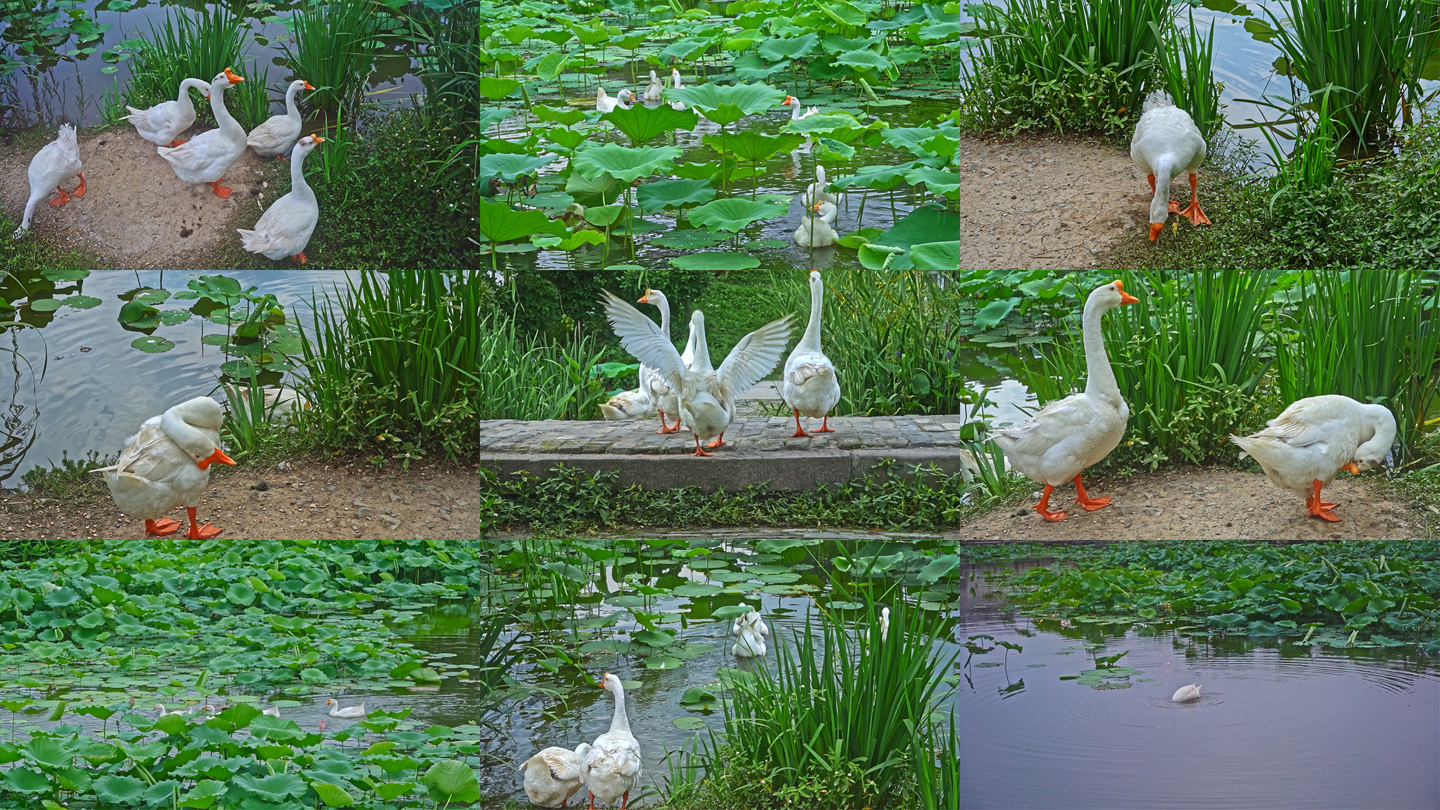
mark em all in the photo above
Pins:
pixel 335 50
pixel 532 377
pixel 1185 61
pixel 197 45
pixel 454 58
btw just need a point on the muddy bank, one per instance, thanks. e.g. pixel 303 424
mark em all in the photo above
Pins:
pixel 1049 201
pixel 1206 504
pixel 136 213
pixel 305 500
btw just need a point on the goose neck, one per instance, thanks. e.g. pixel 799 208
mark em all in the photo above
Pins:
pixel 223 118
pixel 620 722
pixel 702 347
pixel 811 339
pixel 185 435
pixel 1100 376
pixel 298 186
pixel 291 111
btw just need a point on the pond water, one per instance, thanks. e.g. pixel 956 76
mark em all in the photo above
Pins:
pixel 1278 724
pixel 71 88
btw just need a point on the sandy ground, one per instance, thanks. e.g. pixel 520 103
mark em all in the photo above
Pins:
pixel 305 500
pixel 1209 504
pixel 135 211
pixel 1047 201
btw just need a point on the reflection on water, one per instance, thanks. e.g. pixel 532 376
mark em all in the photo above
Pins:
pixel 1278 725
pixel 89 389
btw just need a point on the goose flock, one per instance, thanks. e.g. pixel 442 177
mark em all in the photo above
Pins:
pixel 285 227
pixel 689 389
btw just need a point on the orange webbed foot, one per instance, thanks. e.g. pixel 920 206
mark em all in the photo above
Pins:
pixel 80 189
pixel 825 426
pixel 1084 500
pixel 61 200
pixel 223 192
pixel 799 431
pixel 1044 507
pixel 175 143
pixel 719 441
pixel 162 527
pixel 1194 214
pixel 698 450
pixel 203 532
pixel 1174 207
pixel 299 258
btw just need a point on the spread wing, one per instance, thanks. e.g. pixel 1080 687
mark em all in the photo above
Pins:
pixel 754 356
pixel 642 338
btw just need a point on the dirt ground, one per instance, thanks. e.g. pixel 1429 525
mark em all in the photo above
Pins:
pixel 135 211
pixel 305 500
pixel 1047 201
pixel 1209 504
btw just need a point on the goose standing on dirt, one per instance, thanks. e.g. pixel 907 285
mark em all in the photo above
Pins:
pixel 707 397
pixel 56 162
pixel 285 227
pixel 811 386
pixel 555 774
pixel 163 123
pixel 279 132
pixel 348 711
pixel 167 464
pixel 815 227
pixel 1076 432
pixel 206 157
pixel 625 99
pixel 1185 694
pixel 612 765
pixel 1304 447
pixel 1167 141
pixel 652 93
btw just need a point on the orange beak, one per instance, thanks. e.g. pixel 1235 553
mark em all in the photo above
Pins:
pixel 217 456
pixel 1155 229
pixel 602 681
pixel 786 102
pixel 232 78
pixel 1351 468
pixel 1125 298
pixel 308 86
pixel 318 139
pixel 644 299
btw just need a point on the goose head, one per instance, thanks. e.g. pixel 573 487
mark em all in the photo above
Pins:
pixel 626 96
pixel 1379 424
pixel 675 77
pixel 225 80
pixel 180 423
pixel 582 750
pixel 655 297
pixel 298 85
pixel 307 144
pixel 1109 296
pixel 654 77
pixel 611 683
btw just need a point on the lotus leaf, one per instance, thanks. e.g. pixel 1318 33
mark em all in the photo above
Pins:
pixel 569 139
pixel 938 181
pixel 825 122
pixel 831 149
pixel 662 194
pixel 602 217
pixel 510 167
pixel 728 104
pixel 624 163
pixel 752 68
pixel 696 171
pixel 552 66
pixel 880 178
pixel 912 138
pixel 924 224
pixel 753 147
pixel 642 124
pixel 499 222
pixel 865 60
pixel 836 44
pixel 496 89
pixel 556 36
pixel 690 240
pixel 734 215
pixel 450 782
pixel 682 49
pixel 715 263
pixel 558 116
pixel 776 50
pixel 602 190
pixel 936 256
pixel 688 723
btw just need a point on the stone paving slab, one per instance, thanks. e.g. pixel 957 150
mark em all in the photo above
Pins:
pixel 757 450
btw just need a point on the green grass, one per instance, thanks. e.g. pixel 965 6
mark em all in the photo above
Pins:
pixel 198 45
pixel 335 50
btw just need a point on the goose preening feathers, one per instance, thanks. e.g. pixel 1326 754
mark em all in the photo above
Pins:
pixel 1304 447
pixel 1076 432
pixel 1185 694
pixel 555 774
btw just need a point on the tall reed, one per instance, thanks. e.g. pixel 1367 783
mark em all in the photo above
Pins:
pixel 197 45
pixel 402 358
pixel 1371 335
pixel 335 50
pixel 454 58
pixel 840 714
pixel 1372 52
pixel 1185 69
pixel 535 377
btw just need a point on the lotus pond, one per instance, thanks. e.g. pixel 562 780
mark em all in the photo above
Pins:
pixel 1314 662
pixel 468 657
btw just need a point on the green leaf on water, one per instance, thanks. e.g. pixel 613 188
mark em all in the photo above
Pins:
pixel 82 302
pixel 715 262
pixel 46 305
pixel 662 662
pixel 332 795
pixel 152 344
pixel 64 274
pixel 689 723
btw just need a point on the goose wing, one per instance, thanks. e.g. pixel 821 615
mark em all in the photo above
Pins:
pixel 754 356
pixel 642 338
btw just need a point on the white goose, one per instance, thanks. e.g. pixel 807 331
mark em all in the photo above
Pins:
pixel 1305 446
pixel 206 157
pixel 555 774
pixel 707 396
pixel 1166 142
pixel 815 192
pixel 163 123
pixel 652 93
pixel 884 627
pixel 627 405
pixel 625 99
pixel 167 464
pixel 1185 694
pixel 754 620
pixel 273 711
pixel 279 132
pixel 815 227
pixel 53 164
pixel 749 643
pixel 348 711
pixel 285 227
pixel 1076 432
pixel 675 82
pixel 795 115
pixel 811 385
pixel 664 397
pixel 612 765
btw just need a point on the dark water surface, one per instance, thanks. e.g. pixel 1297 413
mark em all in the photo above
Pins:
pixel 1278 725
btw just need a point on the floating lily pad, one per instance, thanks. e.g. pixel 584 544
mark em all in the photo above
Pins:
pixel 46 304
pixel 663 662
pixel 152 344
pixel 82 302
pixel 715 262
pixel 689 723
pixel 696 590
pixel 66 274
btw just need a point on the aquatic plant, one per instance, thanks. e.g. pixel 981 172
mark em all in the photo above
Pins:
pixel 453 57
pixel 335 50
pixel 196 45
pixel 1371 53
pixel 1371 335
pixel 531 377
pixel 1185 61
